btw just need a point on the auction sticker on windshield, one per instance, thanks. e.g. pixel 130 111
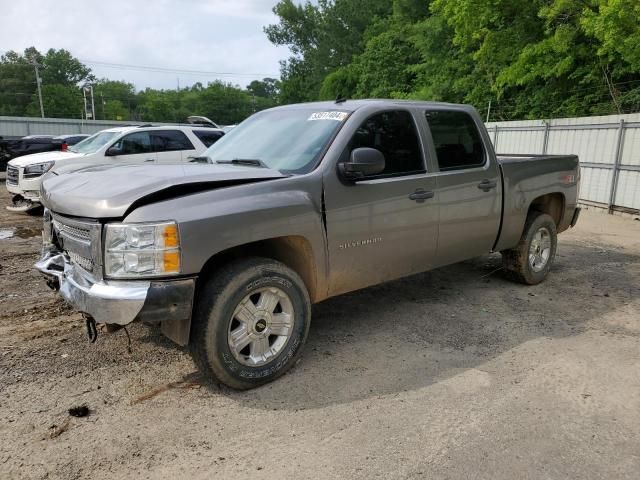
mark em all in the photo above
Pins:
pixel 338 116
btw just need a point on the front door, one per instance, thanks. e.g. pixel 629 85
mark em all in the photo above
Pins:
pixel 135 148
pixel 468 187
pixel 386 226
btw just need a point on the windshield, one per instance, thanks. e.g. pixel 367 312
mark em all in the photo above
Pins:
pixel 289 140
pixel 93 143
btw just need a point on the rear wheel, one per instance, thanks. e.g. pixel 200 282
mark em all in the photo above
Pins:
pixel 250 322
pixel 530 261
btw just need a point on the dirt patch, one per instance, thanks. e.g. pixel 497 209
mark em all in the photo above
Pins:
pixel 455 373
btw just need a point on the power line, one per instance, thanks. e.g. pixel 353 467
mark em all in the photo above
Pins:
pixel 148 68
pixel 144 68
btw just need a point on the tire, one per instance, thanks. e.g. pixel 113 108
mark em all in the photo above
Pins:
pixel 250 300
pixel 528 263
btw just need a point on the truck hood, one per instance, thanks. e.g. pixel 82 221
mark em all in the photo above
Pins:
pixel 34 158
pixel 107 191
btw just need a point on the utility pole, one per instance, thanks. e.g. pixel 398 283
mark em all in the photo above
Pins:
pixel 89 112
pixel 93 106
pixel 38 82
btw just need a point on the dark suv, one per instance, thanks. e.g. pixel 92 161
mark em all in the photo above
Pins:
pixel 35 144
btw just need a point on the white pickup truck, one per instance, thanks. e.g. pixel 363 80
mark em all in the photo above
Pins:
pixel 122 145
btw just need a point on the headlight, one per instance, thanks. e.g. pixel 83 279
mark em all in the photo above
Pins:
pixel 141 250
pixel 37 169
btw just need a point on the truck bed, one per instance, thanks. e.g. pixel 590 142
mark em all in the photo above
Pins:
pixel 528 177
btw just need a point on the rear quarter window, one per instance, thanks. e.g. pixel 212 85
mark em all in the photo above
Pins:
pixel 208 138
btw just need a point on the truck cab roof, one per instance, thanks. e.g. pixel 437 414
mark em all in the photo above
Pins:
pixel 353 105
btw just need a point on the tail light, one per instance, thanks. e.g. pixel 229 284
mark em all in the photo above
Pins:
pixel 64 146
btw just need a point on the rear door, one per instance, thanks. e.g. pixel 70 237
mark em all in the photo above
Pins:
pixel 468 186
pixel 386 226
pixel 171 146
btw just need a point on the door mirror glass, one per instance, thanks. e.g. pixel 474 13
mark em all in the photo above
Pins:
pixel 363 162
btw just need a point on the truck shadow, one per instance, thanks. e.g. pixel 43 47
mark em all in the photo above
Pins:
pixel 408 334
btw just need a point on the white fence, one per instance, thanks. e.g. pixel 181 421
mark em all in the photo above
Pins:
pixel 608 147
pixel 21 126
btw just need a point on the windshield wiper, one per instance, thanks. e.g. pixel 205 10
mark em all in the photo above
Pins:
pixel 254 162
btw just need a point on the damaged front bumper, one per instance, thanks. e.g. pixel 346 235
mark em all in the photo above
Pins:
pixel 120 302
pixel 117 304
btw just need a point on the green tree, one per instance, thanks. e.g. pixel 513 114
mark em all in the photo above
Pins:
pixel 384 68
pixel 529 58
pixel 60 74
pixel 322 38
pixel 157 105
pixel 571 69
pixel 115 100
pixel 17 83
pixel 226 104
pixel 615 23
pixel 59 101
pixel 61 68
pixel 222 102
pixel 342 82
pixel 265 88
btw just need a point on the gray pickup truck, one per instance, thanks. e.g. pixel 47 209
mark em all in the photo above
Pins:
pixel 299 203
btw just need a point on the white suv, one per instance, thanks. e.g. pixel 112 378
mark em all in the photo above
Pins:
pixel 122 145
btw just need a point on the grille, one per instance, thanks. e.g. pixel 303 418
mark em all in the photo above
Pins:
pixel 79 233
pixel 85 263
pixel 77 239
pixel 12 175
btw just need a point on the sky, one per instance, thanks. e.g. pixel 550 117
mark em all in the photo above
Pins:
pixel 217 36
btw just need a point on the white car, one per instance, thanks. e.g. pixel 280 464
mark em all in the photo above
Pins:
pixel 122 145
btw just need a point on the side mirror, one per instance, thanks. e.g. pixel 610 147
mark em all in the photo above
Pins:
pixel 113 151
pixel 364 162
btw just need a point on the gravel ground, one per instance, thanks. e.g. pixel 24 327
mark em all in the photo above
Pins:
pixel 456 373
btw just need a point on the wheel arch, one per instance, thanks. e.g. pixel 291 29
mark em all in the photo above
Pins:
pixel 553 204
pixel 294 251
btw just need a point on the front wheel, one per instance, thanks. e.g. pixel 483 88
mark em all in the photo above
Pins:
pixel 250 322
pixel 530 261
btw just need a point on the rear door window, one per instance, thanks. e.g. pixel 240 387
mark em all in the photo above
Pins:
pixel 208 138
pixel 394 134
pixel 457 140
pixel 170 141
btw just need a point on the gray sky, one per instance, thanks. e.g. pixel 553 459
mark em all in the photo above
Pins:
pixel 204 35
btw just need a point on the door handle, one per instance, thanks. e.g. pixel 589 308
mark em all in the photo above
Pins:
pixel 421 195
pixel 150 160
pixel 486 185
